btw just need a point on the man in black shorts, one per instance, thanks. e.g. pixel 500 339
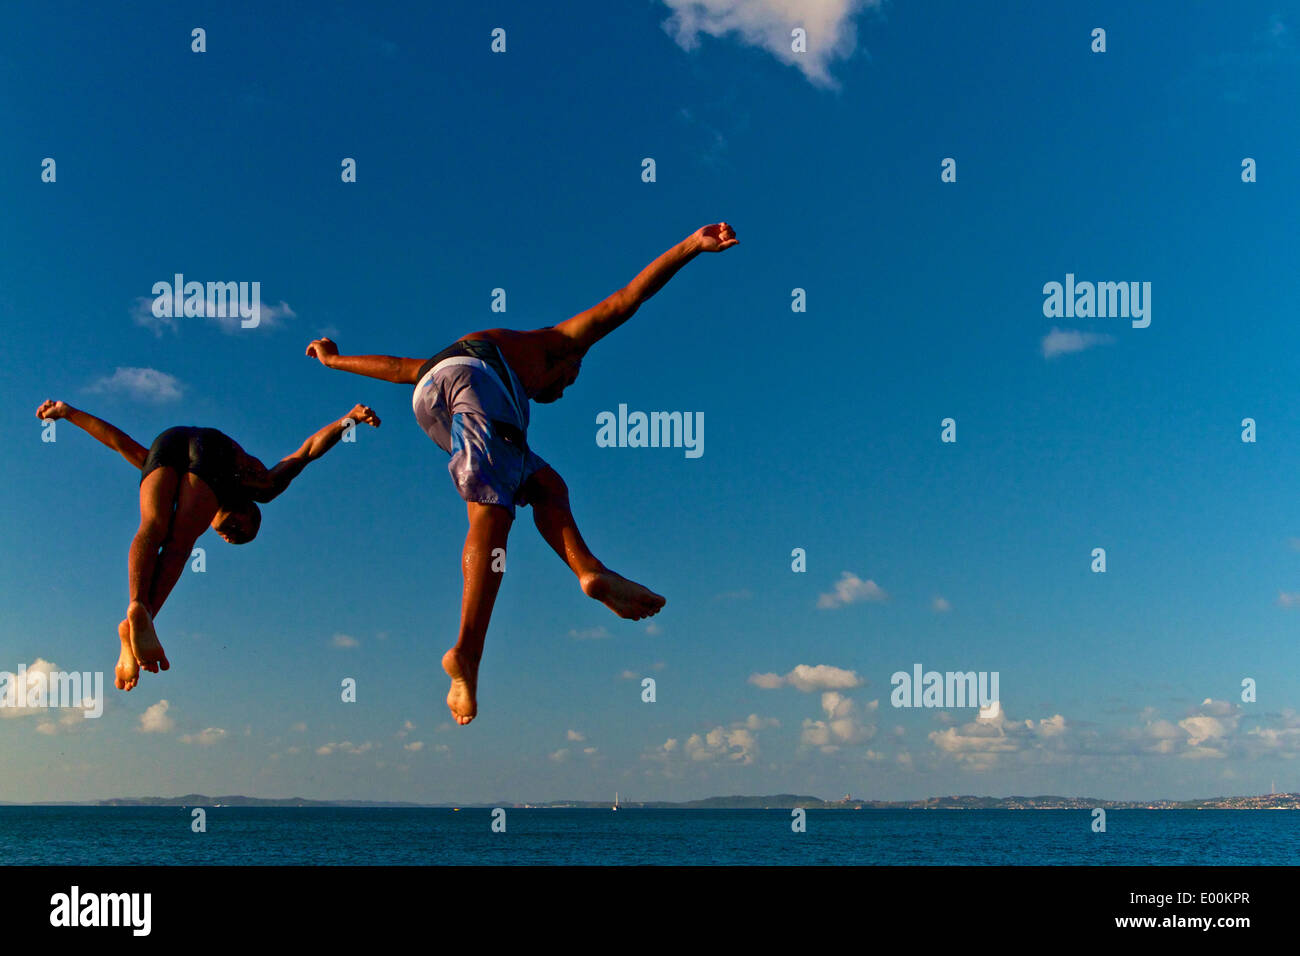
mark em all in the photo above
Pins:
pixel 191 478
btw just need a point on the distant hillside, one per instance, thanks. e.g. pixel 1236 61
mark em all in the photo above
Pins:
pixel 779 801
pixel 200 800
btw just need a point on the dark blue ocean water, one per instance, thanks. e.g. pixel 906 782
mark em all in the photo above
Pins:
pixel 243 836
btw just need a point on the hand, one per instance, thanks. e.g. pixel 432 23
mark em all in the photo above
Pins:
pixel 52 409
pixel 363 413
pixel 322 349
pixel 715 238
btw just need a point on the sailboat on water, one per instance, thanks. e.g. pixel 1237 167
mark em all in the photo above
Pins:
pixel 615 806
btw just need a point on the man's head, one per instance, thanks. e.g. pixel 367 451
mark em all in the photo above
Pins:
pixel 238 525
pixel 563 374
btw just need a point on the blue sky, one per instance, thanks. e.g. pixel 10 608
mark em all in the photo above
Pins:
pixel 522 170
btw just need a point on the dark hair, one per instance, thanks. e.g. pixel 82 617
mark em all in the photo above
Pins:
pixel 248 508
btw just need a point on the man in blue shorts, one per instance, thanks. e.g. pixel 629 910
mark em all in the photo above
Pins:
pixel 472 400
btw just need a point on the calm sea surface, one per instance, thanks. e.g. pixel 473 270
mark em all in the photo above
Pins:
pixel 290 836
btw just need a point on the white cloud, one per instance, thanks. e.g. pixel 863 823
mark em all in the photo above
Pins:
pixel 767 24
pixel 1286 599
pixel 345 747
pixel 574 736
pixel 850 589
pixel 268 316
pixel 1064 341
pixel 940 605
pixel 142 384
pixel 842 726
pixel 980 743
pixel 344 640
pixel 736 744
pixel 589 634
pixel 560 755
pixel 206 737
pixel 629 675
pixel 809 678
pixel 155 720
pixel 415 746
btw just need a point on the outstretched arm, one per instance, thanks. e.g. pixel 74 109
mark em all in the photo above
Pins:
pixel 278 478
pixel 390 368
pixel 587 328
pixel 110 435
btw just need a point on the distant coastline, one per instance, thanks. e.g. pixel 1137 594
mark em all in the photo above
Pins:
pixel 780 801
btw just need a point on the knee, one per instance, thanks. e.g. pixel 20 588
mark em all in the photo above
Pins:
pixel 547 487
pixel 154 528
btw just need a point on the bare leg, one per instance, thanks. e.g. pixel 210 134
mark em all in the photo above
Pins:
pixel 489 527
pixel 549 497
pixel 196 505
pixel 157 503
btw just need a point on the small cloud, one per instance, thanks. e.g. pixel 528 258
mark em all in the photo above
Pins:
pixel 142 384
pixel 155 720
pixel 561 755
pixel 346 747
pixel 415 746
pixel 574 736
pixel 850 589
pixel 940 605
pixel 652 629
pixel 809 678
pixel 831 33
pixel 1064 341
pixel 344 640
pixel 205 738
pixel 1288 599
pixel 629 675
pixel 589 634
pixel 268 316
pixel 589 750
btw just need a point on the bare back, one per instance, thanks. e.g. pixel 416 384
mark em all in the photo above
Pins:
pixel 534 355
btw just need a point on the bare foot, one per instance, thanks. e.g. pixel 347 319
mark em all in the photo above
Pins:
pixel 127 672
pixel 464 682
pixel 144 640
pixel 625 598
